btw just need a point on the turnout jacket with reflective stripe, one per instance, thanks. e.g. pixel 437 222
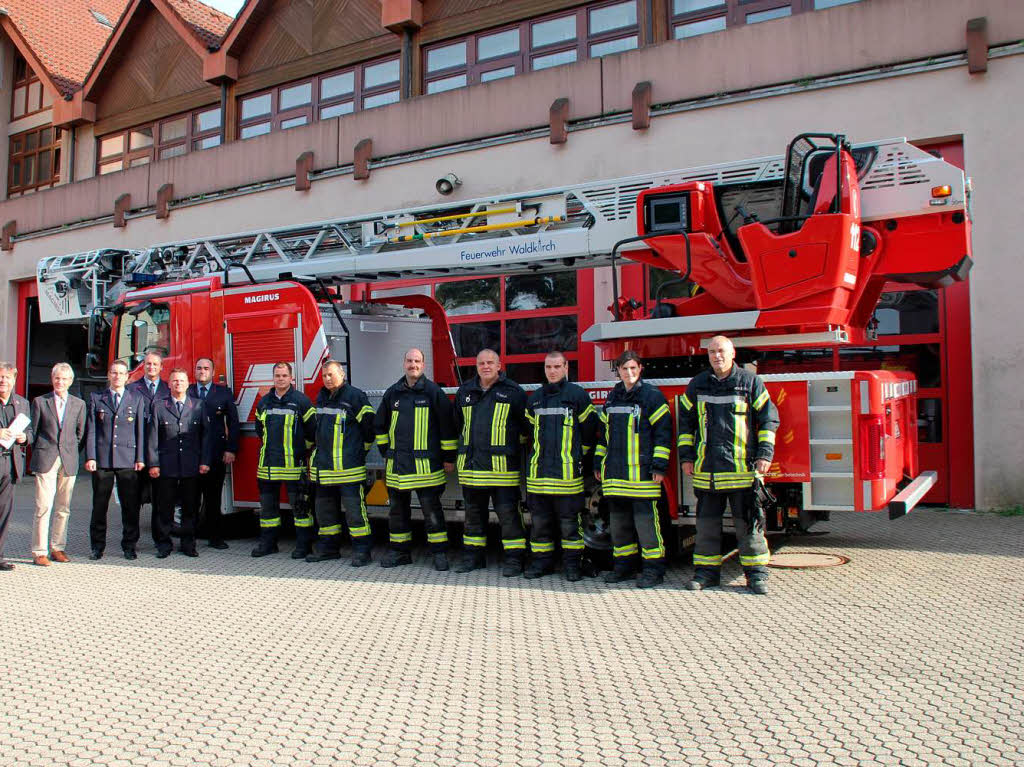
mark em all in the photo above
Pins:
pixel 636 442
pixel 344 434
pixel 724 426
pixel 416 434
pixel 492 426
pixel 565 427
pixel 287 427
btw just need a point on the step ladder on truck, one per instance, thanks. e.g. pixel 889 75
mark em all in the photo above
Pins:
pixel 776 252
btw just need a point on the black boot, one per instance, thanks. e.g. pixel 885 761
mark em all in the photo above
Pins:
pixel 757 583
pixel 472 559
pixel 361 553
pixel 440 561
pixel 703 579
pixel 539 567
pixel 513 564
pixel 267 544
pixel 622 572
pixel 303 542
pixel 653 575
pixel 571 567
pixel 396 558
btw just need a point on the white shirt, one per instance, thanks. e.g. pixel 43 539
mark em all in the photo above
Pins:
pixel 61 403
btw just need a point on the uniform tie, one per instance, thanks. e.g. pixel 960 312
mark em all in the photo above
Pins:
pixel 179 405
pixel 202 392
pixel 152 388
pixel 117 400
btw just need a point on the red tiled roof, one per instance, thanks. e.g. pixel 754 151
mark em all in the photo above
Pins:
pixel 64 35
pixel 208 24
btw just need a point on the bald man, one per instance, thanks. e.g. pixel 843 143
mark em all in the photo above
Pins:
pixel 416 435
pixel 724 408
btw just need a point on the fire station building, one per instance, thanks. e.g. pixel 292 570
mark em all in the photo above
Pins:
pixel 135 122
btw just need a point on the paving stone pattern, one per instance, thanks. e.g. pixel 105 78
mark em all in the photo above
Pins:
pixel 909 655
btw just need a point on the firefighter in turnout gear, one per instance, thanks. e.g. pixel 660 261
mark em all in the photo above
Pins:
pixel 722 409
pixel 564 432
pixel 286 424
pixel 491 421
pixel 632 459
pixel 344 435
pixel 416 435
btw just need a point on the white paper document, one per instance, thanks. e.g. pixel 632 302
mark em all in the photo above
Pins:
pixel 17 427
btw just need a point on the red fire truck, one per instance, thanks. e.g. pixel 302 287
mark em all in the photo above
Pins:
pixel 778 252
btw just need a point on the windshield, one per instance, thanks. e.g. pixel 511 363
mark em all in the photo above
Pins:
pixel 158 333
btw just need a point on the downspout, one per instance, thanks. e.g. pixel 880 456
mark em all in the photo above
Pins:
pixel 406 91
pixel 224 112
pixel 649 24
pixel 71 154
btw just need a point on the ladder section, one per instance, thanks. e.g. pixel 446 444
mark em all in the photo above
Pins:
pixel 574 226
pixel 830 419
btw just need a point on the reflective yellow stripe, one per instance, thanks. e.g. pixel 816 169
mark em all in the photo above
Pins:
pixel 766 436
pixel 400 537
pixel 419 438
pixel 390 439
pixel 761 400
pixel 449 444
pixel 513 543
pixel 441 537
pixel 474 540
pixel 542 547
pixel 330 530
pixel 658 414
pixel 685 440
pixel 585 414
pixel 626 551
pixel 338 459
pixel 739 442
pixel 702 426
pixel 755 559
pixel 633 448
pixel 686 403
pixel 289 441
pixel 712 560
pixel 311 413
pixel 567 463
pixel 661 452
pixel 272 522
pixel 366 409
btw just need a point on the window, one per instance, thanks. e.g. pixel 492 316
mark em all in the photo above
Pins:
pixel 28 95
pixel 158 333
pixel 596 29
pixel 521 316
pixel 170 137
pixel 690 18
pixel 332 94
pixel 34 160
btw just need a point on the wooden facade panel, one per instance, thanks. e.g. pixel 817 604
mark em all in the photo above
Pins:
pixel 285 34
pixel 336 24
pixel 156 65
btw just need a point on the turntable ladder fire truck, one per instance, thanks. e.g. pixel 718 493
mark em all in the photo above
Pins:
pixel 777 252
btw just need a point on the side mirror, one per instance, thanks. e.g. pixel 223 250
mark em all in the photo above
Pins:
pixel 140 337
pixel 94 363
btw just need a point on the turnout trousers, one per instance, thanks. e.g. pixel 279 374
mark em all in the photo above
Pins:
pixel 506 506
pixel 750 540
pixel 553 515
pixel 270 511
pixel 169 492
pixel 342 503
pixel 400 518
pixel 127 494
pixel 636 533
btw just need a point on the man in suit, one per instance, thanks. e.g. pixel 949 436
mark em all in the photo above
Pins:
pixel 12 458
pixel 149 387
pixel 219 402
pixel 177 452
pixel 115 452
pixel 58 429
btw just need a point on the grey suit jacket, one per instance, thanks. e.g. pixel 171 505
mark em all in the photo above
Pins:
pixel 52 439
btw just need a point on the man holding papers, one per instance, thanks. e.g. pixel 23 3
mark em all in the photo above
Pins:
pixel 15 431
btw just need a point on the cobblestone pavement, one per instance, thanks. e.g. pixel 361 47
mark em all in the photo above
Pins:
pixel 910 655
